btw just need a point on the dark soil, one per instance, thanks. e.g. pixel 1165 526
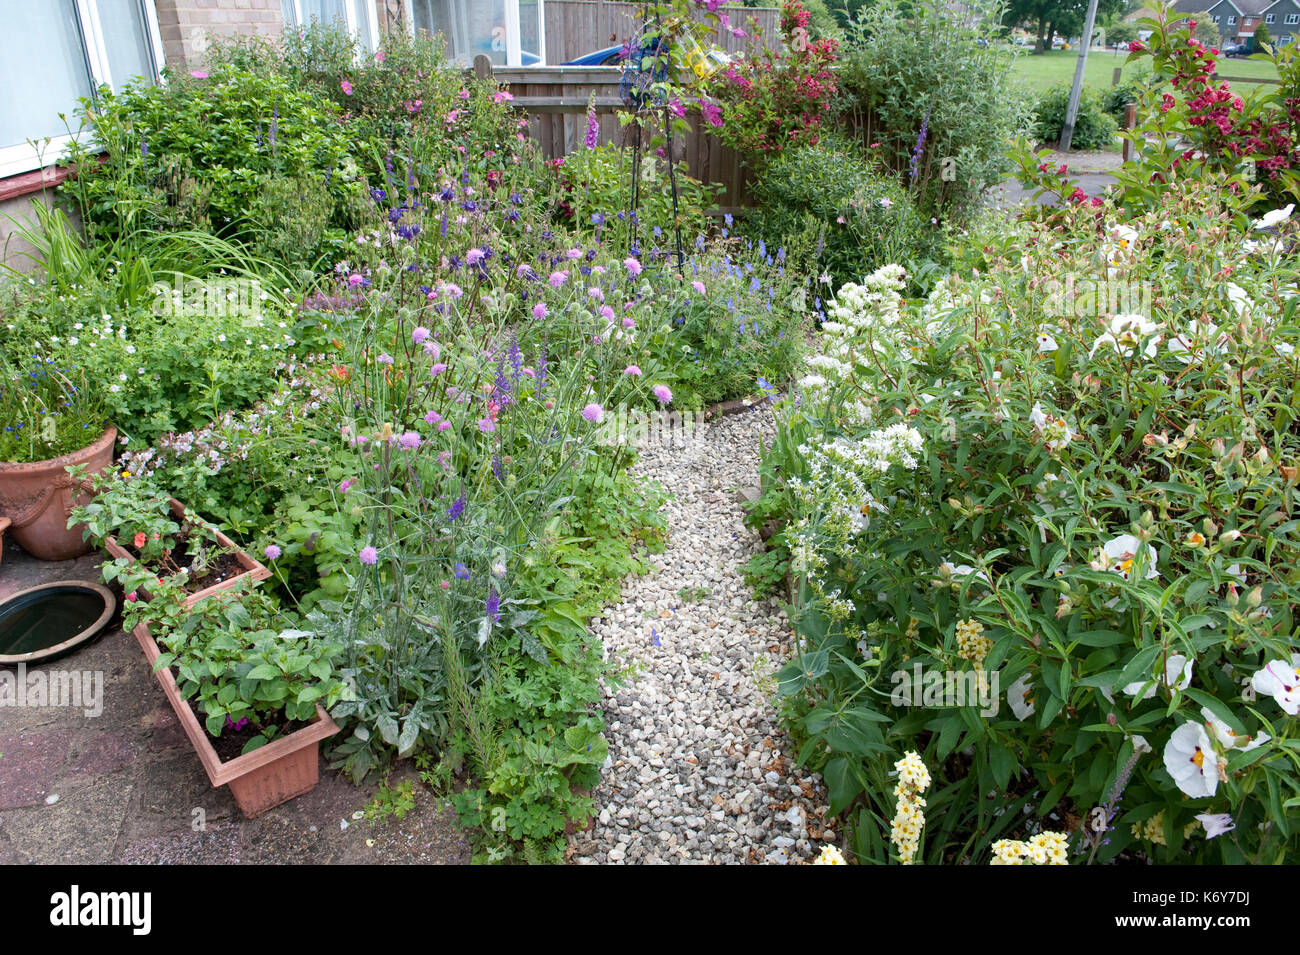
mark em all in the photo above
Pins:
pixel 230 744
pixel 221 566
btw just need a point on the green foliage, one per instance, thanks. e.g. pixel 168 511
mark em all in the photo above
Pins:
pixel 1062 473
pixel 832 196
pixel 391 802
pixel 46 410
pixel 1094 128
pixel 1115 98
pixel 903 62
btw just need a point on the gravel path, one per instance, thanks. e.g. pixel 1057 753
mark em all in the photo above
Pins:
pixel 698 768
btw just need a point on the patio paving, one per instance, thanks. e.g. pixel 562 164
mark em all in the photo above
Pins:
pixel 126 786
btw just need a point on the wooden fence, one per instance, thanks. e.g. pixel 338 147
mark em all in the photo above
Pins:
pixel 577 27
pixel 555 101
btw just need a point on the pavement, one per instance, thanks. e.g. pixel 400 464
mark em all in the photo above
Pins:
pixel 125 786
pixel 1094 172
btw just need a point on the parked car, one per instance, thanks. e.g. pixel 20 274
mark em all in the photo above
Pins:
pixel 617 55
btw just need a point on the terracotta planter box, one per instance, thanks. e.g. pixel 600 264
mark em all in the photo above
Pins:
pixel 253 569
pixel 37 497
pixel 260 780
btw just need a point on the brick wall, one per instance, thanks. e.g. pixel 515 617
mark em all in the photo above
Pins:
pixel 189 26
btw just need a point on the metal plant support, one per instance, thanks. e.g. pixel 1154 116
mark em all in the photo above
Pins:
pixel 637 90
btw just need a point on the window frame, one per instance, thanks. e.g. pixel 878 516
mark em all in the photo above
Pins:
pixel 23 157
pixel 1232 21
pixel 351 18
pixel 514 30
pixel 1270 17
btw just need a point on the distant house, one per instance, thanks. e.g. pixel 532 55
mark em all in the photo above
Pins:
pixel 1237 20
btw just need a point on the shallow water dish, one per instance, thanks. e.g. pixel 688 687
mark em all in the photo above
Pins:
pixel 45 622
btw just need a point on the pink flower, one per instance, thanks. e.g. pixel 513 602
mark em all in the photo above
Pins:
pixel 419 335
pixel 502 96
pixel 410 440
pixel 432 349
pixel 131 597
pixel 445 584
pixel 354 280
pixel 463 94
pixel 346 87
pixel 593 413
pixel 573 254
pixel 368 556
pixel 662 393
pixel 380 56
pixel 698 286
pixel 444 425
pixel 345 486
pixel 540 311
pixel 596 293
pixel 632 265
pixel 432 417
pixel 558 278
pixel 198 74
pixel 632 370
pixel 473 256
pixel 487 425
pixel 437 369
pixel 628 323
pixel 607 313
pixel 272 552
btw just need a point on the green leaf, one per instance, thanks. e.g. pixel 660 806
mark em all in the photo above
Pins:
pixel 841 784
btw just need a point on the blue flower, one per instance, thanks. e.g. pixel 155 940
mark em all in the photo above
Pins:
pixel 462 572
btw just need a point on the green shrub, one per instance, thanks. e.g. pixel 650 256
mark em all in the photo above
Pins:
pixel 830 197
pixel 1093 127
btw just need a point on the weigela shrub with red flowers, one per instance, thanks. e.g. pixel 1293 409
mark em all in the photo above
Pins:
pixel 773 99
pixel 1190 120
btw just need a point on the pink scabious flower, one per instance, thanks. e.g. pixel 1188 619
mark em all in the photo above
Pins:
pixel 433 350
pixel 432 417
pixel 345 486
pixel 558 278
pixel 419 335
pixel 607 313
pixel 698 286
pixel 593 413
pixel 473 256
pixel 663 393
pixel 354 280
pixel 632 370
pixel 437 369
pixel 384 359
pixel 632 265
pixel 346 87
pixel 410 440
pixel 368 556
pixel 540 310
pixel 573 254
pixel 272 552
pixel 444 425
pixel 452 289
pixel 487 425
pixel 628 323
pixel 596 294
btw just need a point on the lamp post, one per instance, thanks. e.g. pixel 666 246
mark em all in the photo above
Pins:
pixel 1072 110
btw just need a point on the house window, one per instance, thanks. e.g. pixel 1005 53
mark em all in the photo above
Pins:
pixel 1284 39
pixel 1216 19
pixel 509 32
pixel 57 51
pixel 1231 21
pixel 1293 18
pixel 1268 18
pixel 357 17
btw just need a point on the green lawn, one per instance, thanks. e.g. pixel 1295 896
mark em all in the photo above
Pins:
pixel 1041 72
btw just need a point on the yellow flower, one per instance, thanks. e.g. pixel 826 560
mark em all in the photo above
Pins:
pixel 830 856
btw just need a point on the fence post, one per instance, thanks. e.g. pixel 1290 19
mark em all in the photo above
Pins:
pixel 1130 121
pixel 483 67
pixel 1114 78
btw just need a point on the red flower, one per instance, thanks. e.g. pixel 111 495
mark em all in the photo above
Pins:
pixel 1136 47
pixel 131 597
pixel 139 540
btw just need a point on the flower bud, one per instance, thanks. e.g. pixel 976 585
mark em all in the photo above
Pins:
pixel 1255 597
pixel 1227 537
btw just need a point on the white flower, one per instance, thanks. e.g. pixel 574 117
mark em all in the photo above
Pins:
pixel 1140 744
pixel 1198 342
pixel 1121 551
pixel 1270 219
pixel 1046 343
pixel 1279 680
pixel 1126 332
pixel 1174 666
pixel 1239 298
pixel 1018 698
pixel 1216 823
pixel 1224 735
pixel 1054 430
pixel 1190 759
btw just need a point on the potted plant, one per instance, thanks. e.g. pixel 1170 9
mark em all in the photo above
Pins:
pixel 49 420
pixel 250 694
pixel 133 520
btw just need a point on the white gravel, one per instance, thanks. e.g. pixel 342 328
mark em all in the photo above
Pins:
pixel 699 770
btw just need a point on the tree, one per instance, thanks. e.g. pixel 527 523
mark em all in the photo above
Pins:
pixel 1121 32
pixel 1048 18
pixel 1261 37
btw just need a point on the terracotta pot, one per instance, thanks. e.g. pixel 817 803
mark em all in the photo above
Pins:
pixel 260 780
pixel 253 569
pixel 38 497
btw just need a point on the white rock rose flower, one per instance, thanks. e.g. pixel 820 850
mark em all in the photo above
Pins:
pixel 1191 761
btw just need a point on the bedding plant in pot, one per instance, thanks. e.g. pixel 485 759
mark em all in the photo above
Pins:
pixel 250 692
pixel 134 520
pixel 49 420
